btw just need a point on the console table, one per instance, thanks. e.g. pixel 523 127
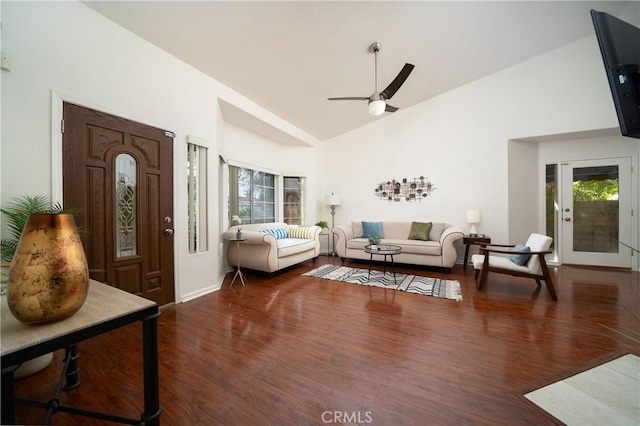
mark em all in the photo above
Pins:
pixel 106 308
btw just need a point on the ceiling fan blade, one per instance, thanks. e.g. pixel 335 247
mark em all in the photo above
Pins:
pixel 390 108
pixel 398 81
pixel 350 98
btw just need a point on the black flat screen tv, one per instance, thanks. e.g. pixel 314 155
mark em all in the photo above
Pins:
pixel 619 44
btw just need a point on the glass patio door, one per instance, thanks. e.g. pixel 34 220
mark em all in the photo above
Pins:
pixel 595 212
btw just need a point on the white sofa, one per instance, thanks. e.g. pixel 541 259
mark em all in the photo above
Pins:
pixel 264 251
pixel 439 250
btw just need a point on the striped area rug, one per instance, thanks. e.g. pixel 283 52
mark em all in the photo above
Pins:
pixel 435 287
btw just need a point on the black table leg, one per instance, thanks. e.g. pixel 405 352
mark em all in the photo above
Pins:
pixel 466 256
pixel 370 261
pixel 72 373
pixel 393 268
pixel 152 407
pixel 8 416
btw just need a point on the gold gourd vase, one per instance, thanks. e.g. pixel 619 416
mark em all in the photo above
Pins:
pixel 49 276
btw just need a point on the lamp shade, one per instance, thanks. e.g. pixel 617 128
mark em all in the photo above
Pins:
pixel 332 200
pixel 377 107
pixel 474 216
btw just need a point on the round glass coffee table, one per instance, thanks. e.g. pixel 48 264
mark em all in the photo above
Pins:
pixel 383 250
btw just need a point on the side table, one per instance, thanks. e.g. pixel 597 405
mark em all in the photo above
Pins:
pixel 328 241
pixel 238 271
pixel 469 240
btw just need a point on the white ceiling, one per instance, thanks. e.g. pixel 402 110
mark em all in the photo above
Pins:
pixel 289 56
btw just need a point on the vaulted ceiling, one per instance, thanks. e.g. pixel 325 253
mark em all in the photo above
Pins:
pixel 289 56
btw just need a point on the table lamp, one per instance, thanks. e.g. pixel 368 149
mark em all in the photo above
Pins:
pixel 473 217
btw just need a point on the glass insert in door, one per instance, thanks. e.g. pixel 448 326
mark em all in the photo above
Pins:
pixel 126 206
pixel 596 210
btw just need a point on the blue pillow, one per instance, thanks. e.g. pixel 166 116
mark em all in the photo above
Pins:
pixel 372 228
pixel 520 259
pixel 279 233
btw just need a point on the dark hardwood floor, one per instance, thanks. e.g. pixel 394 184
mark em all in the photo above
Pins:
pixel 284 350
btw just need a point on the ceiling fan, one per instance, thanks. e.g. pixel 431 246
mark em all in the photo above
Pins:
pixel 378 101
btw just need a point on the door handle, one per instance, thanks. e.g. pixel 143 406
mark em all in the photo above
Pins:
pixel 168 231
pixel 567 219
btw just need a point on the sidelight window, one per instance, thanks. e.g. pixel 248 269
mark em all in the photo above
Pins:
pixel 197 197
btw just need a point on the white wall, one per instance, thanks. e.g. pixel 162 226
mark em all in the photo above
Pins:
pixel 461 141
pixel 524 181
pixel 66 51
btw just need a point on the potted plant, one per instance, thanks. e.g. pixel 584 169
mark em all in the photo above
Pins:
pixel 235 220
pixel 16 214
pixel 374 240
pixel 322 224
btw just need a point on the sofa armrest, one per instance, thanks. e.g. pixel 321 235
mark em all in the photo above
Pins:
pixel 315 236
pixel 252 237
pixel 344 233
pixel 259 250
pixel 447 240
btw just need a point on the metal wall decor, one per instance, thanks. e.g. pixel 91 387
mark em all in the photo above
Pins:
pixel 408 189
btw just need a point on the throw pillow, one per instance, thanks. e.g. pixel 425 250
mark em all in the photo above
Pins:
pixel 357 229
pixel 303 232
pixel 436 231
pixel 420 231
pixel 279 233
pixel 520 259
pixel 372 228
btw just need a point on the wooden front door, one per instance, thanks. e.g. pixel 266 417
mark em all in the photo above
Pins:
pixel 118 174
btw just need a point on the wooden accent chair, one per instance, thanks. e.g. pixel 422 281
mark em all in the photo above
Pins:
pixel 499 262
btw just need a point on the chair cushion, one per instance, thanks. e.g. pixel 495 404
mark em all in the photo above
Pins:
pixel 372 228
pixel 497 262
pixel 420 231
pixel 520 259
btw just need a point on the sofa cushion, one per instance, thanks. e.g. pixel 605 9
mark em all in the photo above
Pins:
pixel 431 248
pixel 279 233
pixel 299 232
pixel 357 229
pixel 436 231
pixel 372 228
pixel 520 259
pixel 420 231
pixel 291 246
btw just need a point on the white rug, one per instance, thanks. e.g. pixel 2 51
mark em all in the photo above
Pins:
pixel 608 394
pixel 435 287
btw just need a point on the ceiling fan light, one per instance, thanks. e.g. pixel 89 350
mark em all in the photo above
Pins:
pixel 377 107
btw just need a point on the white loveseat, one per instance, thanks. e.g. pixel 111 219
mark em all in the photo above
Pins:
pixel 269 250
pixel 438 250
